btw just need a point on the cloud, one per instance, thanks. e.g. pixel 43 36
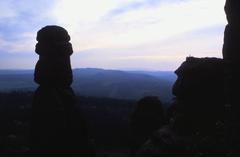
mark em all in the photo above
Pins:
pixel 19 23
pixel 25 44
pixel 119 33
pixel 134 5
pixel 113 24
pixel 6 10
pixel 165 55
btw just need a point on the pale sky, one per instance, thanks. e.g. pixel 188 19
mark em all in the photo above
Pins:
pixel 115 34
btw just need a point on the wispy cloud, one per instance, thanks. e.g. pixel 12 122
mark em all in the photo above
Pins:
pixel 24 44
pixel 6 10
pixel 136 22
pixel 19 21
pixel 112 33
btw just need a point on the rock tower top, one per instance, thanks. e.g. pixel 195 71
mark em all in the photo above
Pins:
pixel 53 68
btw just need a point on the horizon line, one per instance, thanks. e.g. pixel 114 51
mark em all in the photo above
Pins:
pixel 124 69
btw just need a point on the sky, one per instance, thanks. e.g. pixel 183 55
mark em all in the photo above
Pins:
pixel 115 34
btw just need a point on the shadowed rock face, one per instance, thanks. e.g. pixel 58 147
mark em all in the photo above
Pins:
pixel 231 47
pixel 231 55
pixel 232 9
pixel 199 78
pixel 199 92
pixel 57 126
pixel 54 49
pixel 196 127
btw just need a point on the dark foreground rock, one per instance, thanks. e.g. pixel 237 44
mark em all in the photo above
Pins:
pixel 196 122
pixel 231 55
pixel 57 127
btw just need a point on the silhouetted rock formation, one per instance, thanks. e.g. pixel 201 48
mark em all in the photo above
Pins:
pixel 199 92
pixel 231 55
pixel 54 50
pixel 197 126
pixel 147 118
pixel 57 128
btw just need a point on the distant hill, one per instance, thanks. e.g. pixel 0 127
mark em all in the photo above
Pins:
pixel 101 83
pixel 16 80
pixel 166 75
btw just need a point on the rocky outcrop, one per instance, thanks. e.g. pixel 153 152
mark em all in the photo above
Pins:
pixel 54 49
pixel 231 55
pixel 196 127
pixel 57 128
pixel 199 91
